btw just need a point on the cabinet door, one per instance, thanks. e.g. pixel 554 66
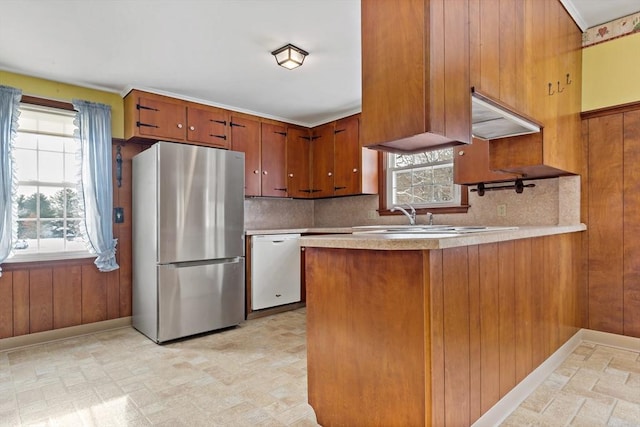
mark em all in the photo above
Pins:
pixel 471 165
pixel 347 159
pixel 160 119
pixel 274 148
pixel 208 126
pixel 298 177
pixel 245 137
pixel 322 153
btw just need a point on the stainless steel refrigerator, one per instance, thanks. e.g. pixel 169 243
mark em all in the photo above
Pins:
pixel 188 240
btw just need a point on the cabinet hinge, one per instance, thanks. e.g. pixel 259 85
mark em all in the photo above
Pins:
pixel 142 107
pixel 140 124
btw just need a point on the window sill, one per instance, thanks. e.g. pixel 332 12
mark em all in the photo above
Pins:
pixel 22 261
pixel 434 210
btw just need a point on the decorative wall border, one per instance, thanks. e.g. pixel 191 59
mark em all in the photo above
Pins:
pixel 611 30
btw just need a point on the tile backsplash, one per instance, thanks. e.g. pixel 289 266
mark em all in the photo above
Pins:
pixel 269 213
pixel 551 202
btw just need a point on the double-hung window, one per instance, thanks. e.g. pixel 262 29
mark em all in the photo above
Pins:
pixel 424 180
pixel 46 167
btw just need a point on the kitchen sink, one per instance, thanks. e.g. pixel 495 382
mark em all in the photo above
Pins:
pixel 397 228
pixel 429 229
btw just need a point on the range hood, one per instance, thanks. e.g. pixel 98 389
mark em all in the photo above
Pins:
pixel 491 119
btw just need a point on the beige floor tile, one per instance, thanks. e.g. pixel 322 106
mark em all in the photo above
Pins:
pixel 252 375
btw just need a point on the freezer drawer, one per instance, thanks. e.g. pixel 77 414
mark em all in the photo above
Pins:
pixel 275 270
pixel 199 297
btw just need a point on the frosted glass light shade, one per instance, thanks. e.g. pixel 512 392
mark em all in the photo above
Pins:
pixel 289 56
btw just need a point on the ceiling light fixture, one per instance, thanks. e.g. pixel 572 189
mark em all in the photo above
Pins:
pixel 289 56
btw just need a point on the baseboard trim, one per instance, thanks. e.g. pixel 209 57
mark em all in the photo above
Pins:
pixel 611 340
pixel 501 410
pixel 13 343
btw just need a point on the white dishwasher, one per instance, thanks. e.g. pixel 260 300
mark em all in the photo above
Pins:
pixel 275 270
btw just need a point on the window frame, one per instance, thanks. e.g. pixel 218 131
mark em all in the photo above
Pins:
pixel 384 207
pixel 47 256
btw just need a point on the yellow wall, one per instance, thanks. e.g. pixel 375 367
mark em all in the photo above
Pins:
pixel 610 73
pixel 65 92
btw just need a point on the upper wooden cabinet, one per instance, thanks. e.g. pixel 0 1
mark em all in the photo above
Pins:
pixel 298 162
pixel 322 160
pixel 415 74
pixel 528 55
pixel 265 152
pixel 329 160
pixel 157 117
pixel 471 165
pixel 340 165
pixel 208 125
pixel 356 168
pixel 281 160
pixel 154 117
pixel 245 137
pixel 273 163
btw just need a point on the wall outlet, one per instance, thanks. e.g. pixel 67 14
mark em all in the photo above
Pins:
pixel 372 214
pixel 502 210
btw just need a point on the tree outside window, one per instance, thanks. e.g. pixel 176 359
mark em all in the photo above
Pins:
pixel 48 206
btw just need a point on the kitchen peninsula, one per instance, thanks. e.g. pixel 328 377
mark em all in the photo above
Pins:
pixel 406 329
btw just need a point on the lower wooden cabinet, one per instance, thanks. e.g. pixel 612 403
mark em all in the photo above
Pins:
pixel 399 338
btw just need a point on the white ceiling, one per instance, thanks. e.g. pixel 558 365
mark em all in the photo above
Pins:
pixel 211 51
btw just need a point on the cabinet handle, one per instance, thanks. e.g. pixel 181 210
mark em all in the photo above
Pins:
pixel 329 174
pixel 290 175
pixel 264 172
pixel 278 295
pixel 256 171
pixel 222 122
pixel 179 125
pixel 339 188
pixel 280 189
pixel 461 153
pixel 218 136
pixel 192 128
pixel 355 170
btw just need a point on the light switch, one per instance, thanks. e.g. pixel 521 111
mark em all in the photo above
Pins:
pixel 118 214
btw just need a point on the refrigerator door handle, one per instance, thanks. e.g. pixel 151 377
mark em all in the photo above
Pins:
pixel 233 260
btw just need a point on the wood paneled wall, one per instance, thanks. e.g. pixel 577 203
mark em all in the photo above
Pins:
pixel 41 296
pixel 497 312
pixel 611 209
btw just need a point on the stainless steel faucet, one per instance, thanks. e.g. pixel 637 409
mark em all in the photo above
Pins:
pixel 411 216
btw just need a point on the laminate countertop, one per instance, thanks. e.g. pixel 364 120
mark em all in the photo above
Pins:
pixel 310 230
pixel 416 241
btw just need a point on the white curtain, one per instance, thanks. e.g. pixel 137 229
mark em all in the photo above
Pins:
pixel 9 113
pixel 93 131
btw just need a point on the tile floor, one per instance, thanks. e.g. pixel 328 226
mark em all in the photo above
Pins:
pixel 254 375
